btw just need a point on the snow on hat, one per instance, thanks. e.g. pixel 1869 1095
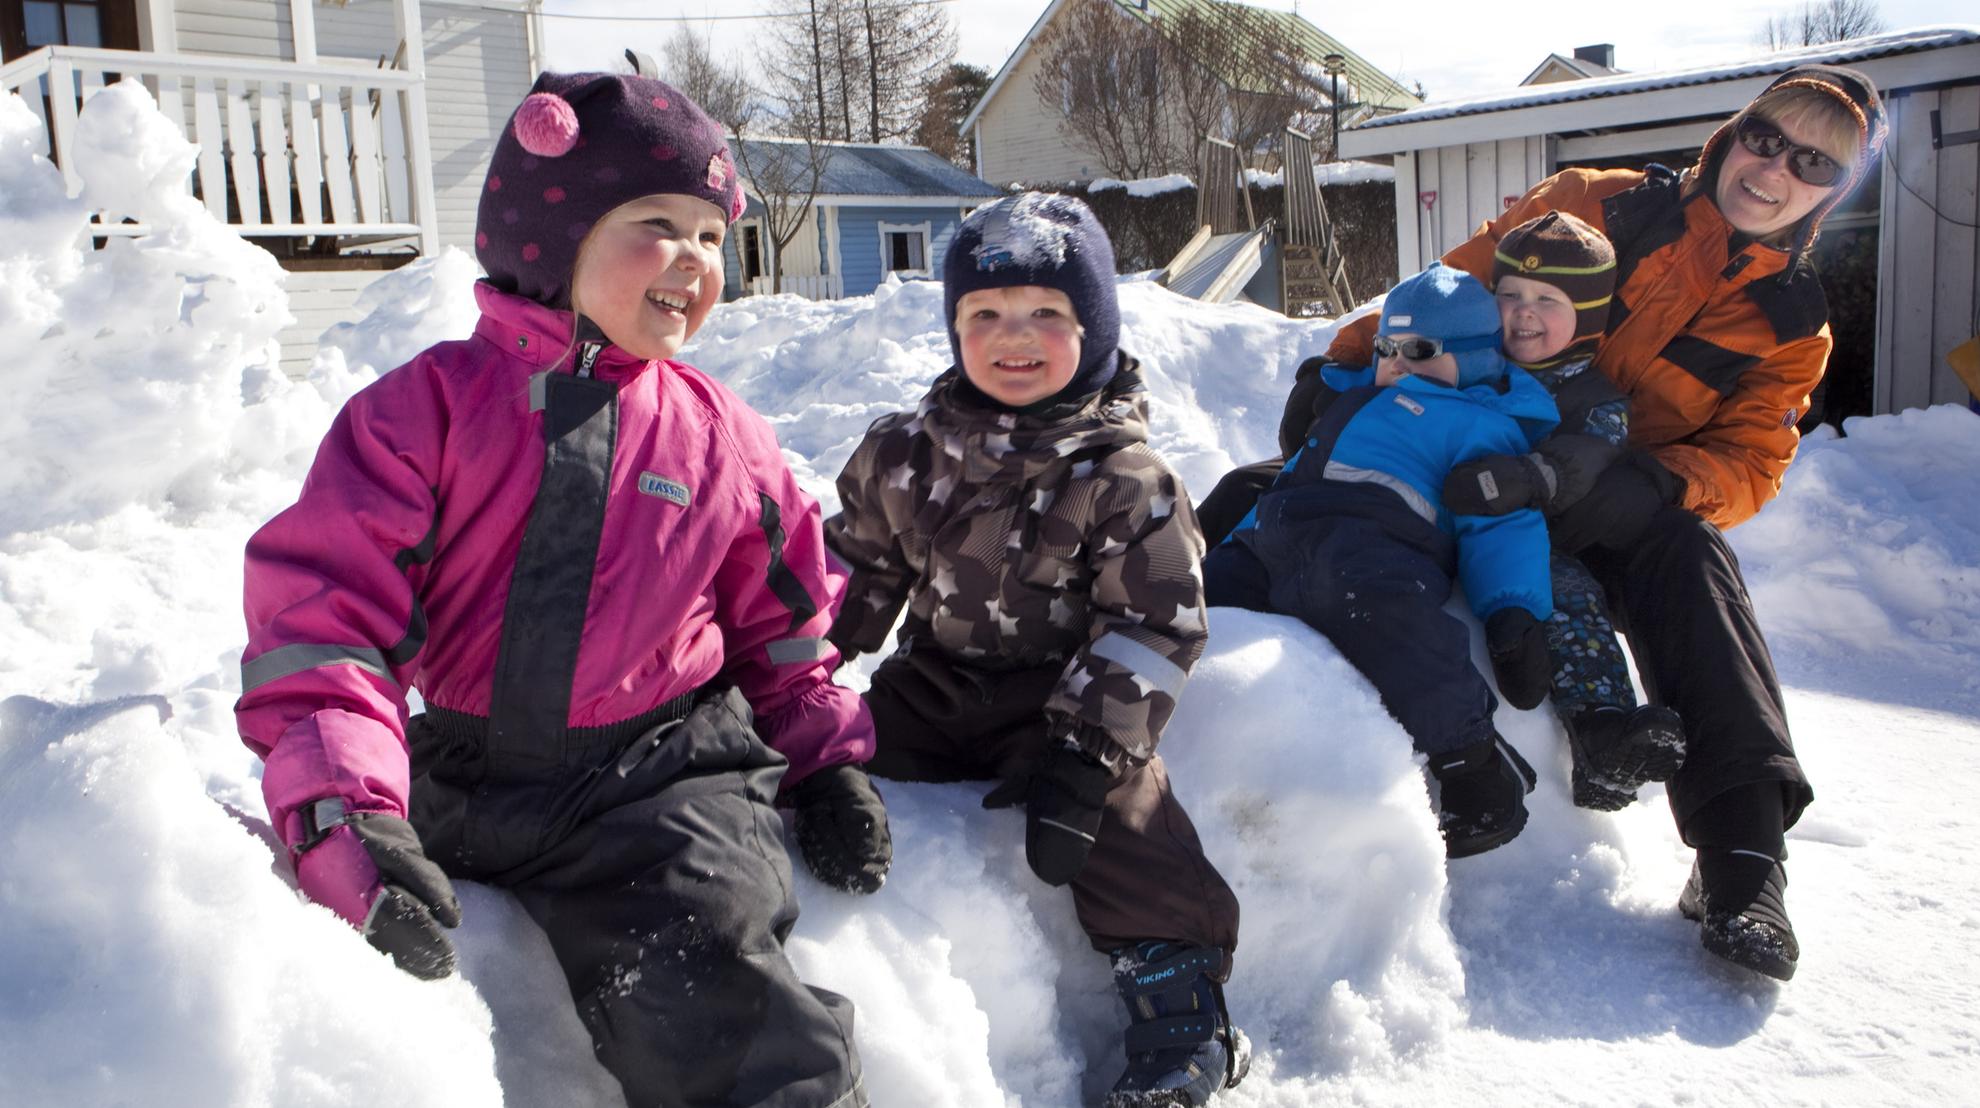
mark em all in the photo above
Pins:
pixel 1451 305
pixel 1037 238
pixel 1856 95
pixel 1562 250
pixel 579 145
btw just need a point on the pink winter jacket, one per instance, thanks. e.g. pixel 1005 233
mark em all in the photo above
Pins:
pixel 392 569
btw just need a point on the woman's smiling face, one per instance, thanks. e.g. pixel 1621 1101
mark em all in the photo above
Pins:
pixel 1762 196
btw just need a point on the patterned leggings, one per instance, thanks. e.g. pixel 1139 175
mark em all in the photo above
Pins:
pixel 1590 670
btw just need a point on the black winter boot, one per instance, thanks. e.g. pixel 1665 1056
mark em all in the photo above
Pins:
pixel 1615 750
pixel 1481 795
pixel 1181 1047
pixel 1737 897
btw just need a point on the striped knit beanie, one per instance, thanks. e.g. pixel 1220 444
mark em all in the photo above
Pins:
pixel 1562 250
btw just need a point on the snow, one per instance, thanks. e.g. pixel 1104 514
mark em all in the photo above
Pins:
pixel 153 949
pixel 1328 174
pixel 1143 187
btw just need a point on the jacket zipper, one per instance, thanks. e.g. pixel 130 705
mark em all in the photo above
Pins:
pixel 587 355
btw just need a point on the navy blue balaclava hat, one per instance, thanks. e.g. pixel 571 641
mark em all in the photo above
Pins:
pixel 1037 238
pixel 1449 304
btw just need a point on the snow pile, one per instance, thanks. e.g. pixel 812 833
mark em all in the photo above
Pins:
pixel 148 347
pixel 152 947
pixel 1143 187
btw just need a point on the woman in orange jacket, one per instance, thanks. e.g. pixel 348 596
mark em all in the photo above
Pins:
pixel 1718 334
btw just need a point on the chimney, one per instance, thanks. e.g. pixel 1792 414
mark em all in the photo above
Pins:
pixel 1602 54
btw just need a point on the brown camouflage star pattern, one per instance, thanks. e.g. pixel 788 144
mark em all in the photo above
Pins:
pixel 1019 540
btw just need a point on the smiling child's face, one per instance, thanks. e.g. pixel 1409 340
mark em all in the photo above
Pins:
pixel 1020 344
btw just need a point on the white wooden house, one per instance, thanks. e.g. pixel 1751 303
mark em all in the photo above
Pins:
pixel 1462 162
pixel 348 136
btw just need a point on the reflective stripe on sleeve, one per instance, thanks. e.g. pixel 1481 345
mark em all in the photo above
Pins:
pixel 1137 657
pixel 783 652
pixel 295 658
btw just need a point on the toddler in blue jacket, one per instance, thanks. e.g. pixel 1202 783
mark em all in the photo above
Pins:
pixel 1354 538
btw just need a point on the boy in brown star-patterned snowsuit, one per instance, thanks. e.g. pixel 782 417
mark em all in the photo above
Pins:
pixel 1047 558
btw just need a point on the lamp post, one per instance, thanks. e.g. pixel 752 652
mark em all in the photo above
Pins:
pixel 1335 65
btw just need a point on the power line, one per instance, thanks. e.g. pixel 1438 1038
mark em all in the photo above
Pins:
pixel 714 18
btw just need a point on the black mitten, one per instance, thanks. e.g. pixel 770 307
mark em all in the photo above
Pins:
pixel 1063 798
pixel 1309 398
pixel 1619 506
pixel 1576 460
pixel 1518 644
pixel 1497 484
pixel 405 920
pixel 842 829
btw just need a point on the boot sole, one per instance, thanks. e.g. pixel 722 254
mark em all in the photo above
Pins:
pixel 1652 750
pixel 1471 845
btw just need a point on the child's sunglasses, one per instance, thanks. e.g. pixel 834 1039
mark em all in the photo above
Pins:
pixel 1415 350
pixel 1764 140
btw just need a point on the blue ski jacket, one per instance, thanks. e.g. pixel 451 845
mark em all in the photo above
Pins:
pixel 1405 438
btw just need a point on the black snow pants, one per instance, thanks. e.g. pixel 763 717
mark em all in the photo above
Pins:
pixel 651 856
pixel 1678 596
pixel 938 719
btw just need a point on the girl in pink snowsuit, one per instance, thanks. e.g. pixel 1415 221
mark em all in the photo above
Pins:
pixel 612 596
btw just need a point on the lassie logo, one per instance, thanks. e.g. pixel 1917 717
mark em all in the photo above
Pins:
pixel 652 484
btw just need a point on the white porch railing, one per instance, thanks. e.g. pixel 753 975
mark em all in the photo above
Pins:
pixel 828 286
pixel 284 149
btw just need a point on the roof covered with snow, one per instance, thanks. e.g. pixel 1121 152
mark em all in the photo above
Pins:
pixel 864 169
pixel 1845 53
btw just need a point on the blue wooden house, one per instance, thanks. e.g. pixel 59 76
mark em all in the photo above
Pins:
pixel 879 210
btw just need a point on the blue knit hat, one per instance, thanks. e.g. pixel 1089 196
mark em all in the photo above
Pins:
pixel 1449 304
pixel 1037 238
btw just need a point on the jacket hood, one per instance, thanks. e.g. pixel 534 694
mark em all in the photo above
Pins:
pixel 996 444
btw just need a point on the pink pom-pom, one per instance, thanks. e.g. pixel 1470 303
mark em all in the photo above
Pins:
pixel 546 125
pixel 736 204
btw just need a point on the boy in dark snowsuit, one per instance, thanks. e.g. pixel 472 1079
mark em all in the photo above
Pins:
pixel 1353 538
pixel 1047 559
pixel 1554 277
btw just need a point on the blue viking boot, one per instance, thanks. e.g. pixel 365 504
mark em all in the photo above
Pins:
pixel 1181 1047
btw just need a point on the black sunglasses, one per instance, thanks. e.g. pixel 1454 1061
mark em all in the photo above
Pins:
pixel 1416 350
pixel 1764 140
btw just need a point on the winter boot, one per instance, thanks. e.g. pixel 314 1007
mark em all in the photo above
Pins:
pixel 1737 897
pixel 1181 1047
pixel 1617 749
pixel 1481 795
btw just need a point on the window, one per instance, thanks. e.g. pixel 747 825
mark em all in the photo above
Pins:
pixel 749 248
pixel 30 24
pixel 904 249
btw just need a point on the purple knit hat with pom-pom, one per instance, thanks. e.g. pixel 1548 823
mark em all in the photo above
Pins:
pixel 580 145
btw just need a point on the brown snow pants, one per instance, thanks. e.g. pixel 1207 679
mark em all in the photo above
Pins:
pixel 1147 878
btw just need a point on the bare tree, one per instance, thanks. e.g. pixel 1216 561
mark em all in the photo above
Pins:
pixel 1101 66
pixel 946 103
pixel 1140 95
pixel 722 91
pixel 1820 21
pixel 908 44
pixel 1240 73
pixel 783 174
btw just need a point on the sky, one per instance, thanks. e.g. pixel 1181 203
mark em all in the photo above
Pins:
pixel 1475 49
pixel 154 950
